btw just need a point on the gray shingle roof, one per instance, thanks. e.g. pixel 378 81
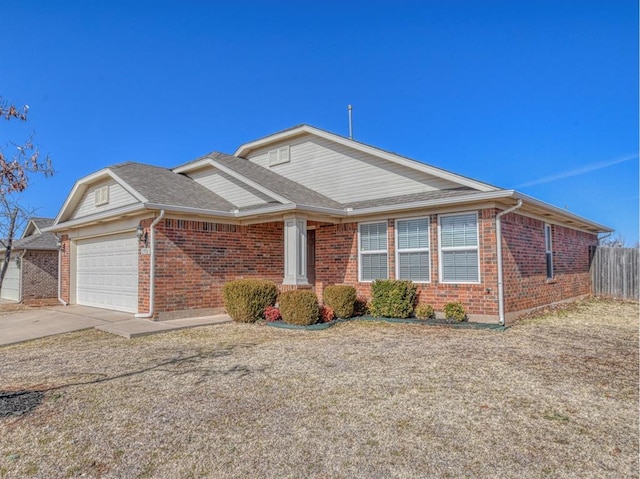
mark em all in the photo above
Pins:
pixel 42 223
pixel 410 198
pixel 294 192
pixel 163 186
pixel 41 241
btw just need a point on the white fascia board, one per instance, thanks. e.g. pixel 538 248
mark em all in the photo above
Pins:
pixel 28 228
pixel 401 160
pixel 100 217
pixel 189 210
pixel 488 196
pixel 575 220
pixel 82 184
pixel 293 207
pixel 211 162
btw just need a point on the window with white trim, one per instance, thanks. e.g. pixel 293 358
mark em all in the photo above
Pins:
pixel 372 251
pixel 459 255
pixel 412 250
pixel 548 246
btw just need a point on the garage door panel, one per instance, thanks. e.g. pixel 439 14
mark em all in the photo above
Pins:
pixel 11 283
pixel 107 272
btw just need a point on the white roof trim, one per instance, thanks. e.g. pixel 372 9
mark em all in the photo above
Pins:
pixel 244 149
pixel 82 184
pixel 211 162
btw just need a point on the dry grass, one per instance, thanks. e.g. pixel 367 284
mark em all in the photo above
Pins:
pixel 553 396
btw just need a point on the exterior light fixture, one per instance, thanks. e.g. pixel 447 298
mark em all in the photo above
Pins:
pixel 141 234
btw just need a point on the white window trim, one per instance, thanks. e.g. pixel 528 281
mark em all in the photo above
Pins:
pixel 459 248
pixel 548 250
pixel 413 250
pixel 360 252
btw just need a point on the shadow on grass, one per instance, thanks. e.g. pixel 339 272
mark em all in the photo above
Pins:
pixel 18 403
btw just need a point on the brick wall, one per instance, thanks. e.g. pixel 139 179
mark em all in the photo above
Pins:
pixel 194 259
pixel 65 268
pixel 525 276
pixel 337 263
pixel 39 276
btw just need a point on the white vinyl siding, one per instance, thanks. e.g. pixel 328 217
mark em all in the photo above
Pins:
pixel 548 242
pixel 230 188
pixel 345 174
pixel 372 251
pixel 412 250
pixel 459 255
pixel 115 196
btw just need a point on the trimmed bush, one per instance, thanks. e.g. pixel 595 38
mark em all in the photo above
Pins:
pixel 392 298
pixel 299 307
pixel 340 298
pixel 424 311
pixel 326 314
pixel 455 312
pixel 271 314
pixel 246 299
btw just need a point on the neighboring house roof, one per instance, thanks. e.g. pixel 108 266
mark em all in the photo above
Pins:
pixel 34 239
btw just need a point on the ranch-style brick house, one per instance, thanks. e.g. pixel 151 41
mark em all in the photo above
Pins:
pixel 307 208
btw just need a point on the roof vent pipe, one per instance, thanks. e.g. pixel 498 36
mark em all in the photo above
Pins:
pixel 499 254
pixel 349 108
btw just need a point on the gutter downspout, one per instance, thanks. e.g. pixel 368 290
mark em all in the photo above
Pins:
pixel 152 268
pixel 62 301
pixel 21 274
pixel 499 252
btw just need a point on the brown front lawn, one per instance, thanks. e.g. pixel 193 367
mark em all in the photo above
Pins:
pixel 553 396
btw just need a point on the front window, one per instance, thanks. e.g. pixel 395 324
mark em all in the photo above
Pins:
pixel 459 258
pixel 412 252
pixel 372 246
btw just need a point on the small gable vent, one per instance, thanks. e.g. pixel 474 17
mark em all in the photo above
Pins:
pixel 102 196
pixel 279 156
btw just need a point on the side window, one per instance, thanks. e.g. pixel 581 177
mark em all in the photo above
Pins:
pixel 548 242
pixel 372 251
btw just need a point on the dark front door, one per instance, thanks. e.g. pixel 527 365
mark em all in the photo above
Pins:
pixel 311 256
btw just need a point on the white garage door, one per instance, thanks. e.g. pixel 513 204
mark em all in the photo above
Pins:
pixel 107 272
pixel 11 283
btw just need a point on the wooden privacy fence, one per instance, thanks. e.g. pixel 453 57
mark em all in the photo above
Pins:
pixel 614 272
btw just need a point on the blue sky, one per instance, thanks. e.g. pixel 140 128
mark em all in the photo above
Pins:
pixel 541 96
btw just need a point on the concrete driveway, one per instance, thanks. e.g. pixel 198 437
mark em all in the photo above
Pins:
pixel 17 327
pixel 47 321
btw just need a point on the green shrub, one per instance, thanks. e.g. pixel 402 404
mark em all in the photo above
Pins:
pixel 246 299
pixel 424 311
pixel 392 298
pixel 299 307
pixel 455 312
pixel 340 298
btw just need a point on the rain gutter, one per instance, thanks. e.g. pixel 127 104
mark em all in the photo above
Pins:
pixel 152 268
pixel 499 254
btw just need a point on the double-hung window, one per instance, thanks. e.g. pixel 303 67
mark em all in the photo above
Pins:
pixel 548 246
pixel 372 250
pixel 459 256
pixel 412 250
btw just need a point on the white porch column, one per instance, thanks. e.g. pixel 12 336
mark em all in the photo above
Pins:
pixel 295 250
